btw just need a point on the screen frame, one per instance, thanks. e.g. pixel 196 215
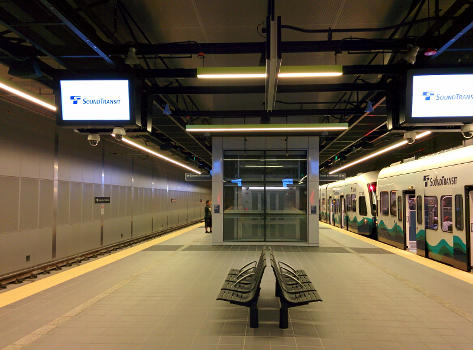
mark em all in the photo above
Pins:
pixel 432 120
pixel 132 96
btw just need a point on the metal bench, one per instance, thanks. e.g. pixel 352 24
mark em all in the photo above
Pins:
pixel 244 290
pixel 236 274
pixel 292 289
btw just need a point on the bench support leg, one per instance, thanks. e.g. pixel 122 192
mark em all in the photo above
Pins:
pixel 277 289
pixel 283 316
pixel 254 314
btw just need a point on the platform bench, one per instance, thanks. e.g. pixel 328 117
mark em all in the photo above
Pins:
pixel 242 287
pixel 293 287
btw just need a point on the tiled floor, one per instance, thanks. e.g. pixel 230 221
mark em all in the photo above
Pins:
pixel 164 298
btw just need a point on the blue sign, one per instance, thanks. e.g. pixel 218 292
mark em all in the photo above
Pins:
pixel 236 181
pixel 286 182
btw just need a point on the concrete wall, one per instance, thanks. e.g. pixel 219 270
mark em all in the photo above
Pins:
pixel 36 157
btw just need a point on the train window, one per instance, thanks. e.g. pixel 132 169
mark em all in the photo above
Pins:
pixel 362 206
pixel 348 202
pixel 431 212
pixel 384 199
pixel 419 210
pixel 399 208
pixel 446 210
pixel 353 202
pixel 459 212
pixel 393 203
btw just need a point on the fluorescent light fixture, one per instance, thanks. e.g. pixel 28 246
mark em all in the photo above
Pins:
pixel 260 72
pixel 377 153
pixel 261 188
pixel 310 71
pixel 157 155
pixel 231 72
pixel 267 127
pixel 263 166
pixel 27 97
pixel 266 159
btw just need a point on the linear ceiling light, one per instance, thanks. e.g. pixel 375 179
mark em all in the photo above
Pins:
pixel 263 166
pixel 310 71
pixel 231 72
pixel 260 188
pixel 27 97
pixel 377 153
pixel 267 127
pixel 158 155
pixel 259 72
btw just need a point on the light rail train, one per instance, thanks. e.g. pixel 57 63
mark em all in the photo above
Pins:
pixel 424 205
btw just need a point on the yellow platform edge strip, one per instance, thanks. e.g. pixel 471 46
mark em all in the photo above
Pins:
pixel 448 270
pixel 14 295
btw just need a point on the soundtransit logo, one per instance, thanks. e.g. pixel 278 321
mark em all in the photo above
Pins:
pixel 429 96
pixel 94 101
pixel 440 181
pixel 75 99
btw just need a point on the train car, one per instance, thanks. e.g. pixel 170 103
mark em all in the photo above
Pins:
pixel 351 203
pixel 426 205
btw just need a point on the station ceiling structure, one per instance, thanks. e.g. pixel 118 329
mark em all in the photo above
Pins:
pixel 166 42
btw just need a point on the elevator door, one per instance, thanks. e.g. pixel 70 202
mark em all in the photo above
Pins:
pixel 265 196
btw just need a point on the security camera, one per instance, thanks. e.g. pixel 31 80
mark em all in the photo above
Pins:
pixel 410 136
pixel 93 139
pixel 467 131
pixel 119 133
pixel 411 55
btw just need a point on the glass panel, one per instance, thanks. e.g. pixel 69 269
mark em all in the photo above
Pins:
pixel 286 196
pixel 459 212
pixel 431 212
pixel 419 210
pixel 243 203
pixel 446 205
pixel 399 208
pixel 265 196
pixel 384 202
pixel 353 202
pixel 362 203
pixel 393 203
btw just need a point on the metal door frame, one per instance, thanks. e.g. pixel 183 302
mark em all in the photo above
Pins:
pixel 404 210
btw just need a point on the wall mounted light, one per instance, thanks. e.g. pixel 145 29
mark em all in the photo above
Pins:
pixel 157 155
pixel 266 128
pixel 260 72
pixel 377 153
pixel 27 97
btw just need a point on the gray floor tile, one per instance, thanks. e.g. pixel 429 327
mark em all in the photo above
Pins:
pixel 372 300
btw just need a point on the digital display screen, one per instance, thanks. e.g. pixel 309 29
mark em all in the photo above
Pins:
pixel 442 96
pixel 95 100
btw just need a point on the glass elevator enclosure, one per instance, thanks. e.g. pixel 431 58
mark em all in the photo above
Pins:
pixel 265 196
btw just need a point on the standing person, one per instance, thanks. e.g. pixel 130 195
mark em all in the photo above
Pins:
pixel 208 216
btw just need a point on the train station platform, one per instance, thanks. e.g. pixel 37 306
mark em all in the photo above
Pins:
pixel 161 295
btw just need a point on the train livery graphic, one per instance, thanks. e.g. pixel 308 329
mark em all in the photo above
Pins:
pixel 423 205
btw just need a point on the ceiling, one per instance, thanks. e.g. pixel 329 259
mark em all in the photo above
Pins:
pixel 95 35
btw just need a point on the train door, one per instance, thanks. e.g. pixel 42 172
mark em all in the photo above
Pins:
pixel 410 221
pixel 342 211
pixel 469 221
